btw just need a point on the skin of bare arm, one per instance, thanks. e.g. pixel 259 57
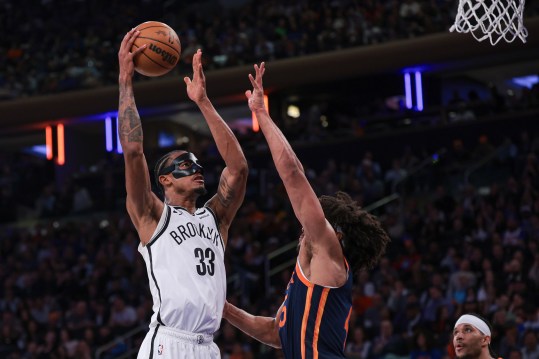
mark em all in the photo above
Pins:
pixel 232 184
pixel 143 206
pixel 263 329
pixel 321 255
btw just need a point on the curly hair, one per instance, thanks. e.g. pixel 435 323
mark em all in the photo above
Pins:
pixel 364 238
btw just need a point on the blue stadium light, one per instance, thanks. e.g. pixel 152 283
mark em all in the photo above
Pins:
pixel 39 150
pixel 408 90
pixel 118 144
pixel 419 91
pixel 526 81
pixel 108 134
pixel 413 87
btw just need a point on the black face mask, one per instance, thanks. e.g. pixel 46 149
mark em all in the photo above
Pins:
pixel 174 168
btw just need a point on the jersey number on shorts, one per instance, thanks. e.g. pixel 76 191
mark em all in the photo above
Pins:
pixel 206 258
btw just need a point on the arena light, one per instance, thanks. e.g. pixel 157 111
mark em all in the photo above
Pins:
pixel 408 90
pixel 293 111
pixel 108 134
pixel 118 144
pixel 39 150
pixel 413 88
pixel 60 159
pixel 418 91
pixel 256 126
pixel 48 142
pixel 526 81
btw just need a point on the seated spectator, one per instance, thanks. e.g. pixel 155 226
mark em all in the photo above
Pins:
pixel 358 347
pixel 122 315
pixel 424 346
pixel 387 343
pixel 531 345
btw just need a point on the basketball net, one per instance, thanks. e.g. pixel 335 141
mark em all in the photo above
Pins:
pixel 492 19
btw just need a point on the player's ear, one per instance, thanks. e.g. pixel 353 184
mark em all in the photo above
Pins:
pixel 164 180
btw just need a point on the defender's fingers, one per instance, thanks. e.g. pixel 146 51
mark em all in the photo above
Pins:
pixel 253 82
pixel 197 72
pixel 200 71
pixel 197 58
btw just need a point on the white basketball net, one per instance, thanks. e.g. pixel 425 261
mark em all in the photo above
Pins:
pixel 493 19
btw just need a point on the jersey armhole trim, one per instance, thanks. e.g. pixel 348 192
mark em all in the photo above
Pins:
pixel 308 283
pixel 216 225
pixel 163 227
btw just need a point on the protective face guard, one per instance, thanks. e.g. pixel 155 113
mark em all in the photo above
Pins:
pixel 174 168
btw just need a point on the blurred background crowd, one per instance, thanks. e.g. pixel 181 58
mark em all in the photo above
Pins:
pixel 463 216
pixel 41 57
pixel 72 280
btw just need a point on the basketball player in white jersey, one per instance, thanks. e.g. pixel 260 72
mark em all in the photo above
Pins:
pixel 182 245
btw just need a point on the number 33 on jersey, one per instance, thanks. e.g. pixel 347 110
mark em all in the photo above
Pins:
pixel 185 260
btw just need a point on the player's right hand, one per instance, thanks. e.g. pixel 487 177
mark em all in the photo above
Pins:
pixel 125 56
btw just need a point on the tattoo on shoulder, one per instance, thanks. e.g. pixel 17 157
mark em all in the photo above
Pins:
pixel 225 193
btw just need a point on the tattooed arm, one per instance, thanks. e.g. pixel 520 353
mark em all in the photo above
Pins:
pixel 232 183
pixel 142 204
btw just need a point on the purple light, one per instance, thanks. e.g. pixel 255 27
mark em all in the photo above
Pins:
pixel 526 81
pixel 118 144
pixel 418 91
pixel 108 134
pixel 408 90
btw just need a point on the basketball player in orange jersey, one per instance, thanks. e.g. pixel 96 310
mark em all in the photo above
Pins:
pixel 313 320
pixel 471 338
pixel 182 245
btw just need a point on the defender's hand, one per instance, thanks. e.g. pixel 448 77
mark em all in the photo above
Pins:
pixel 256 97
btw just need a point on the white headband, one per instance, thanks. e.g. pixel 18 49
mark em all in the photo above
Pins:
pixel 475 321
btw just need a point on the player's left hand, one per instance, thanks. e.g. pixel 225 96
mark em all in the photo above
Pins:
pixel 196 88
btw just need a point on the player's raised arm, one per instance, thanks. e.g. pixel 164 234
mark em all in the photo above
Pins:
pixel 141 203
pixel 304 201
pixel 232 183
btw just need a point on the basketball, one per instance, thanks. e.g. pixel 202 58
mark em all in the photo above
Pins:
pixel 162 52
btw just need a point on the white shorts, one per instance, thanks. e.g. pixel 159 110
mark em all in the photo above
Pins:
pixel 167 343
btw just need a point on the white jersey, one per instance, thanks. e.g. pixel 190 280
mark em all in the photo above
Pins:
pixel 186 271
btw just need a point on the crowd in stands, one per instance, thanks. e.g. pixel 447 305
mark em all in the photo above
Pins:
pixel 57 46
pixel 73 281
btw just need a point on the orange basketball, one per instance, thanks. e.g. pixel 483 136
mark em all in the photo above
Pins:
pixel 162 51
